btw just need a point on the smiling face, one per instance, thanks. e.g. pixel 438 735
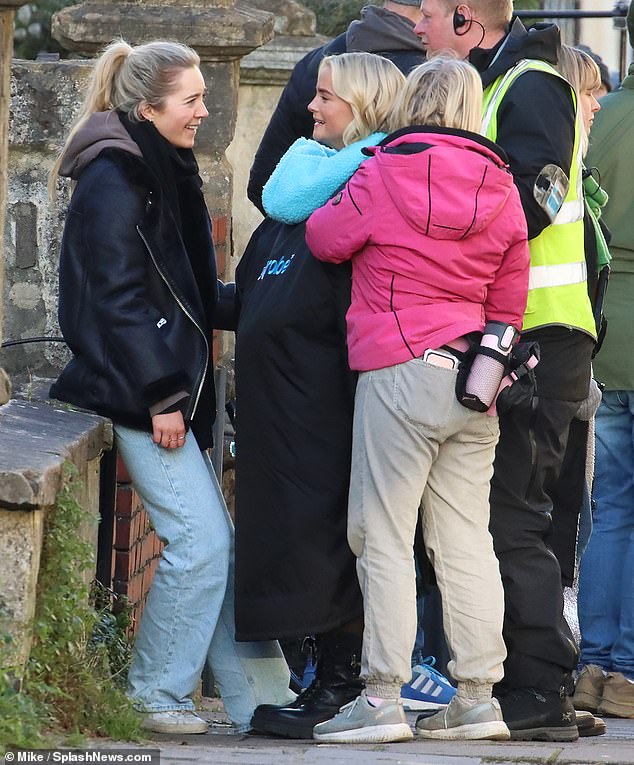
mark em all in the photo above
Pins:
pixel 183 110
pixel 332 114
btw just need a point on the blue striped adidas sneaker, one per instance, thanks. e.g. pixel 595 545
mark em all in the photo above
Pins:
pixel 427 689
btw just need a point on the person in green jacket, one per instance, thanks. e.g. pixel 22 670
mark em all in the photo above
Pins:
pixel 606 598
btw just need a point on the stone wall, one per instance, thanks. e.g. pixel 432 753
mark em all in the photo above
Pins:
pixel 36 438
pixel 45 98
pixel 7 15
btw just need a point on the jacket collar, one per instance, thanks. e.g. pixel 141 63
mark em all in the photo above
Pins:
pixel 100 131
pixel 433 130
pixel 628 81
pixel 541 42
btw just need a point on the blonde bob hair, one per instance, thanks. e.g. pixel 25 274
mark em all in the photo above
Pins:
pixel 369 84
pixel 126 78
pixel 443 92
pixel 582 72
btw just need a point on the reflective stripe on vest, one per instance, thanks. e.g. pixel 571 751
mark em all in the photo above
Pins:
pixel 557 292
pixel 557 276
pixel 569 212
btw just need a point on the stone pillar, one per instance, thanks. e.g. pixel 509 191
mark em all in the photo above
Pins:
pixel 567 26
pixel 7 11
pixel 263 75
pixel 45 98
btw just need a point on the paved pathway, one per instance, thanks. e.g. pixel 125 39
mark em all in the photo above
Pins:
pixel 219 747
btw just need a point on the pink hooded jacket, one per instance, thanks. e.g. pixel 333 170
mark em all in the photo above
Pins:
pixel 438 240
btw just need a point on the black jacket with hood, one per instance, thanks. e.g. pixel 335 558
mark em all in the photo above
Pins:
pixel 133 312
pixel 536 124
pixel 377 31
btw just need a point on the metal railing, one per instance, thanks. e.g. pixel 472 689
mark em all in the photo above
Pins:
pixel 618 14
pixel 619 11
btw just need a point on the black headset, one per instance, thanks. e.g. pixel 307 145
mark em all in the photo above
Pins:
pixel 462 23
pixel 459 20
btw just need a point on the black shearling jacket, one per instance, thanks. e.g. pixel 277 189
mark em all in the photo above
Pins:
pixel 130 307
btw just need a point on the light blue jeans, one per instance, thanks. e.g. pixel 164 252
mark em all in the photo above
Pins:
pixel 189 614
pixel 606 594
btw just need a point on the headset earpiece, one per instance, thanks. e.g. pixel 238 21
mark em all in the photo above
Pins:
pixel 459 20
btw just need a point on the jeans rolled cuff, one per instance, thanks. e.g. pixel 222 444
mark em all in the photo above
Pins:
pixel 144 708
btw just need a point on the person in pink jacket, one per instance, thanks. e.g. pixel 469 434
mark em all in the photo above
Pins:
pixel 437 237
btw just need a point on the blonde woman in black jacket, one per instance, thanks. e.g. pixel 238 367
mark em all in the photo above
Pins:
pixel 137 303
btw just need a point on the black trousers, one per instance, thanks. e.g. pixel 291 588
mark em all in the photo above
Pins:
pixel 540 646
pixel 568 497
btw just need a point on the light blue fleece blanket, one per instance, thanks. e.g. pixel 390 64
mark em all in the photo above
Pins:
pixel 308 175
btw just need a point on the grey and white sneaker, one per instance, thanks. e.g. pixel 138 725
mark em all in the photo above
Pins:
pixel 465 719
pixel 174 721
pixel 360 722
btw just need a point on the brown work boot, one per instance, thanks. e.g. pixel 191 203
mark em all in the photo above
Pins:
pixel 588 724
pixel 618 696
pixel 589 688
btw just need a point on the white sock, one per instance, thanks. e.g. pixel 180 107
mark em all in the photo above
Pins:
pixel 376 701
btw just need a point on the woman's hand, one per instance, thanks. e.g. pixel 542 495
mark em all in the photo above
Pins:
pixel 168 430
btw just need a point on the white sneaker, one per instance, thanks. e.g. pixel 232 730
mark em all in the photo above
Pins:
pixel 360 722
pixel 174 721
pixel 465 719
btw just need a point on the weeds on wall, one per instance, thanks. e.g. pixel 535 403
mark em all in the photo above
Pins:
pixel 73 683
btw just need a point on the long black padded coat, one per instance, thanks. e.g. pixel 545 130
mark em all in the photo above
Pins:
pixel 295 574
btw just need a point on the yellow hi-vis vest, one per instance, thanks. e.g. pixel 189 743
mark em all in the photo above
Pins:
pixel 557 289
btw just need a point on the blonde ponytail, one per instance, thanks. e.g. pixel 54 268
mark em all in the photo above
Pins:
pixel 125 78
pixel 98 98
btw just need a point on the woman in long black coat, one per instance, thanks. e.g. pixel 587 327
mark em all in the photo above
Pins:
pixel 295 574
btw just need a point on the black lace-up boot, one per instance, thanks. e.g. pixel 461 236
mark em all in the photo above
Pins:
pixel 336 683
pixel 538 715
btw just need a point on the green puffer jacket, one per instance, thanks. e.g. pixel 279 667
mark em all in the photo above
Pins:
pixel 612 152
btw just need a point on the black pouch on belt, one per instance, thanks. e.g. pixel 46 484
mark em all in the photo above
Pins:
pixel 518 387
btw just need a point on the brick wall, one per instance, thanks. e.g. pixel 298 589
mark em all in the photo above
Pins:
pixel 220 245
pixel 136 548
